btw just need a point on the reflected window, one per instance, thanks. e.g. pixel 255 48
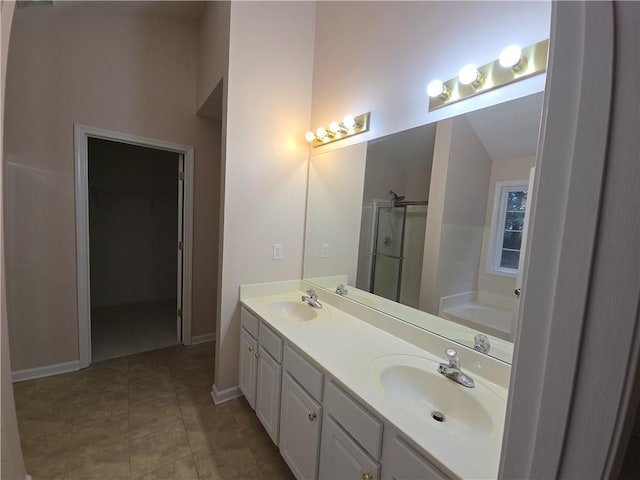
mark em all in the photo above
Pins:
pixel 508 224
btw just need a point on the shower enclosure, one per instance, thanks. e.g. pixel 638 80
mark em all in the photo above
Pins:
pixel 397 249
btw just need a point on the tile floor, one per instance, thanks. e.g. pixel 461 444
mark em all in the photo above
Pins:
pixel 121 330
pixel 145 416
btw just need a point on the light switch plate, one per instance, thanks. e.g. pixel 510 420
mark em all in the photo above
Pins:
pixel 277 251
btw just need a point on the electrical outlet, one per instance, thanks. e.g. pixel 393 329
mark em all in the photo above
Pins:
pixel 324 252
pixel 277 251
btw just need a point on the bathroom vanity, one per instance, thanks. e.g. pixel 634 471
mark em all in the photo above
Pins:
pixel 346 391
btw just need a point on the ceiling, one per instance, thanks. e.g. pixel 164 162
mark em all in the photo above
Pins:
pixel 510 129
pixel 185 9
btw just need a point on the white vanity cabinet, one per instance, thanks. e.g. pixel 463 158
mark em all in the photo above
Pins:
pixel 400 461
pixel 322 431
pixel 269 381
pixel 301 415
pixel 248 366
pixel 351 438
pixel 248 355
pixel 260 375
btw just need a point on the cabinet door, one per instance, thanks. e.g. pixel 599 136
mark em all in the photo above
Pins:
pixel 299 430
pixel 268 393
pixel 341 458
pixel 402 462
pixel 248 366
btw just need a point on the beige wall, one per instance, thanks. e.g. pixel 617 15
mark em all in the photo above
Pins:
pixel 271 49
pixel 501 170
pixel 334 209
pixel 127 74
pixel 11 461
pixel 457 209
pixel 379 57
pixel 213 49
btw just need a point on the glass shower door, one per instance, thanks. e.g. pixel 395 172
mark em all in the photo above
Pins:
pixel 387 254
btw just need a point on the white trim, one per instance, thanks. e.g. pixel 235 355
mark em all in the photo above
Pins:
pixel 222 396
pixel 81 134
pixel 207 337
pixel 498 217
pixel 565 201
pixel 46 371
pixel 27 477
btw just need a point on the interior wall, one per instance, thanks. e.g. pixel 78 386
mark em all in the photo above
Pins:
pixel 265 172
pixel 459 189
pixel 213 50
pixel 133 223
pixel 132 75
pixel 411 154
pixel 11 460
pixel 383 54
pixel 501 170
pixel 334 208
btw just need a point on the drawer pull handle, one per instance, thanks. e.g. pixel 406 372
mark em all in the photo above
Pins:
pixel 251 349
pixel 312 417
pixel 367 476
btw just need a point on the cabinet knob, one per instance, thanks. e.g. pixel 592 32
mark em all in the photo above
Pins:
pixel 257 355
pixel 517 292
pixel 367 476
pixel 312 417
pixel 251 349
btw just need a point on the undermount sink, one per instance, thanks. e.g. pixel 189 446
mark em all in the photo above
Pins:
pixel 414 385
pixel 294 310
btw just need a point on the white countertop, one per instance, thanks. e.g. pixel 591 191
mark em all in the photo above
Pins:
pixel 346 346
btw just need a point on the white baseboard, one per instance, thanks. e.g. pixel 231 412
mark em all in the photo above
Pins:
pixel 27 477
pixel 46 371
pixel 207 337
pixel 222 396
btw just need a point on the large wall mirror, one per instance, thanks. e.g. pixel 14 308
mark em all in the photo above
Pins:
pixel 428 224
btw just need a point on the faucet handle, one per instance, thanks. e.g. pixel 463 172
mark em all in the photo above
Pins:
pixel 452 356
pixel 312 293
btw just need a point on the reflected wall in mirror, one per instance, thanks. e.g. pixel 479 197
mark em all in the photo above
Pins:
pixel 429 224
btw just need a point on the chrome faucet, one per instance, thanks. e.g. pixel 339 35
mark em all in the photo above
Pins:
pixel 452 370
pixel 481 343
pixel 340 290
pixel 312 299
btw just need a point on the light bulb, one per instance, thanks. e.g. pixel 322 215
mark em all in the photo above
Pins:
pixel 334 127
pixel 310 136
pixel 349 121
pixel 468 74
pixel 435 88
pixel 321 132
pixel 510 56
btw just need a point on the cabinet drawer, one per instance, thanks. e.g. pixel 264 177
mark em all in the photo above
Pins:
pixel 305 374
pixel 361 425
pixel 270 341
pixel 249 321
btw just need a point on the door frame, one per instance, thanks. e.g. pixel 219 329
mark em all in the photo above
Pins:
pixel 81 135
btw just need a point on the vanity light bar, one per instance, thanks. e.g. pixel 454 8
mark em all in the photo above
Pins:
pixel 349 127
pixel 513 65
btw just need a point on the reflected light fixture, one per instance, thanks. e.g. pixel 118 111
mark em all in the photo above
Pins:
pixel 469 75
pixel 511 57
pixel 513 64
pixel 349 126
pixel 437 89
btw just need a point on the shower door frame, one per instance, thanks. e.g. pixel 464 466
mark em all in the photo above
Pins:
pixel 374 239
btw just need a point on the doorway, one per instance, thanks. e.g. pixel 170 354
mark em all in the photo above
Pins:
pixel 134 222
